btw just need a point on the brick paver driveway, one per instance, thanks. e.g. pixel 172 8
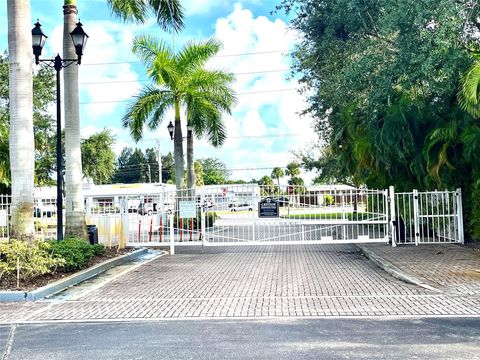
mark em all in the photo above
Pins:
pixel 270 281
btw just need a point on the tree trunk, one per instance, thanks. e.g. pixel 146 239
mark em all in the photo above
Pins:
pixel 190 168
pixel 22 151
pixel 74 207
pixel 178 149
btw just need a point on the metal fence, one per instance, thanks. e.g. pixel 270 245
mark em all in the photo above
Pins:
pixel 5 201
pixel 428 217
pixel 229 215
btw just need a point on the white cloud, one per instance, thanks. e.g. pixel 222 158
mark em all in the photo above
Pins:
pixel 255 132
pixel 199 7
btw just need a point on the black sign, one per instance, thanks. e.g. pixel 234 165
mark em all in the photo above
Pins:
pixel 268 208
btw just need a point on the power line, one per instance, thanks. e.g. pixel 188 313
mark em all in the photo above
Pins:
pixel 217 56
pixel 244 93
pixel 148 80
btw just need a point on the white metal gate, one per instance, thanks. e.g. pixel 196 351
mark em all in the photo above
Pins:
pixel 324 215
pixel 427 217
pixel 228 215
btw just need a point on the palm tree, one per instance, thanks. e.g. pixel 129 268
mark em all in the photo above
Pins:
pixel 21 146
pixel 277 173
pixel 75 217
pixel 469 94
pixel 181 81
pixel 169 14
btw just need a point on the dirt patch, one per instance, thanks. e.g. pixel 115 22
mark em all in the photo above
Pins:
pixel 10 283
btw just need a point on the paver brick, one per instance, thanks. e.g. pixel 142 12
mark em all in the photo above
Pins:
pixel 270 281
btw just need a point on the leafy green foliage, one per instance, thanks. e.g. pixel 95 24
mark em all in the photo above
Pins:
pixel 27 259
pixel 214 171
pixel 76 253
pixel 383 78
pixel 98 158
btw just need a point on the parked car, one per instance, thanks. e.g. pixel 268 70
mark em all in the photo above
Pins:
pixel 146 208
pixel 152 208
pixel 241 206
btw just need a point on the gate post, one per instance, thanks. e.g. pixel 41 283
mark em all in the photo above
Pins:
pixel 172 240
pixel 391 191
pixel 416 217
pixel 461 235
pixel 203 213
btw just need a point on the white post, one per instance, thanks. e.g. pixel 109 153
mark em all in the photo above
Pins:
pixel 391 190
pixel 202 223
pixel 172 239
pixel 159 163
pixel 461 235
pixel 416 217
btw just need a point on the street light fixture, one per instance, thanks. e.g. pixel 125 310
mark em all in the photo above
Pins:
pixel 79 38
pixel 171 129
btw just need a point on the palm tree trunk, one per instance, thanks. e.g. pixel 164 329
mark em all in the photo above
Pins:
pixel 74 207
pixel 21 119
pixel 178 149
pixel 190 168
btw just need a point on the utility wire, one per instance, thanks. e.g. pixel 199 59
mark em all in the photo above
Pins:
pixel 244 93
pixel 148 80
pixel 217 56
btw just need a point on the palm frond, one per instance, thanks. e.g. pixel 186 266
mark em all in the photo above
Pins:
pixel 469 93
pixel 169 13
pixel 157 57
pixel 147 109
pixel 195 54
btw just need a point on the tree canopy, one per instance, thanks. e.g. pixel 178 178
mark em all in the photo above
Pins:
pixel 98 158
pixel 382 79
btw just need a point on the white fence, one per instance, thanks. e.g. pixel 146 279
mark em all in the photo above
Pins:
pixel 428 217
pixel 229 215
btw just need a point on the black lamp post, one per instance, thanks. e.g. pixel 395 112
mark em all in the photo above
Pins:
pixel 79 38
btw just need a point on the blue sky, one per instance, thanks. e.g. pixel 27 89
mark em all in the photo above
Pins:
pixel 265 126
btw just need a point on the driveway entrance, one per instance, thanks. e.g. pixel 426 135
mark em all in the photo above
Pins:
pixel 254 281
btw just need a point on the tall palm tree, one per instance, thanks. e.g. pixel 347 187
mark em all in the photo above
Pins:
pixel 21 146
pixel 169 14
pixel 180 81
pixel 75 217
pixel 277 173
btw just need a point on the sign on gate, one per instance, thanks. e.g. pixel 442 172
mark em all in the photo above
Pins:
pixel 268 208
pixel 187 209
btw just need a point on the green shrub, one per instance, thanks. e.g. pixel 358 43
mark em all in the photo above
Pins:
pixel 329 200
pixel 76 253
pixel 210 218
pixel 27 260
pixel 98 249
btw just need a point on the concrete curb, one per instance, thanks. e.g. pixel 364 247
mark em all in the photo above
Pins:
pixel 60 285
pixel 393 270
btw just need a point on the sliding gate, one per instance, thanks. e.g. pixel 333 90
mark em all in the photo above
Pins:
pixel 317 216
pixel 228 215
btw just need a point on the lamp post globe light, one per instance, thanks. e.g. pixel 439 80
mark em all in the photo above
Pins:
pixel 79 38
pixel 171 130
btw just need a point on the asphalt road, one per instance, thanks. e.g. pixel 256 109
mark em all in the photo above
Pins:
pixel 427 338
